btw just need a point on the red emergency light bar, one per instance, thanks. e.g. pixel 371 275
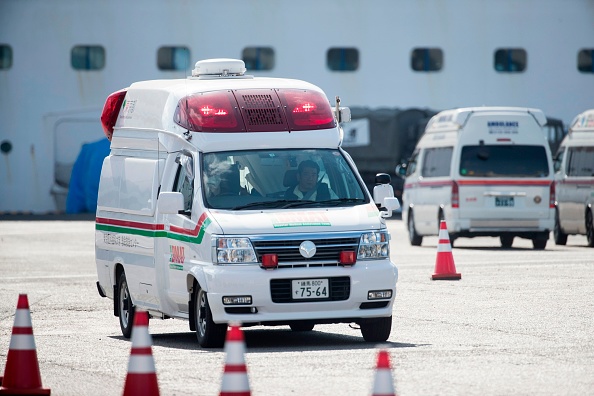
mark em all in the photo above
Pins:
pixel 255 110
pixel 111 109
pixel 210 111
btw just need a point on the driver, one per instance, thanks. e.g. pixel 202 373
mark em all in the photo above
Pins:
pixel 308 187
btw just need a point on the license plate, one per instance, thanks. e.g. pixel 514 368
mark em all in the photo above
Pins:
pixel 306 289
pixel 504 201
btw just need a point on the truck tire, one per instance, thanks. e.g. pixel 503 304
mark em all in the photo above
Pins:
pixel 506 241
pixel 376 329
pixel 208 333
pixel 558 234
pixel 589 228
pixel 539 243
pixel 414 238
pixel 126 310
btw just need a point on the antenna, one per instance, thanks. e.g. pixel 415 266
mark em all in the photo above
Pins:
pixel 187 133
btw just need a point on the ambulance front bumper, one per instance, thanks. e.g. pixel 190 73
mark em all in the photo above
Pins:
pixel 364 290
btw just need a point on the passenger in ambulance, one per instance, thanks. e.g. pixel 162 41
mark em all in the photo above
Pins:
pixel 306 185
pixel 213 187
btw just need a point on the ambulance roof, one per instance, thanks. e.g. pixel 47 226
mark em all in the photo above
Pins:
pixel 219 99
pixel 581 130
pixel 455 119
pixel 583 122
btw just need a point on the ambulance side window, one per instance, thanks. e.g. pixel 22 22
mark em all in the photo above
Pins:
pixel 437 162
pixel 411 167
pixel 581 162
pixel 184 180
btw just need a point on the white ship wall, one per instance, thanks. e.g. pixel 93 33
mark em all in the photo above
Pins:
pixel 42 97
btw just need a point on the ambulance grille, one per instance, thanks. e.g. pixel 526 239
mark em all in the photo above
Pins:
pixel 280 290
pixel 327 251
pixel 261 110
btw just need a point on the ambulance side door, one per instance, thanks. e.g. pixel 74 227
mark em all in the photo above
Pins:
pixel 580 172
pixel 561 193
pixel 436 188
pixel 179 250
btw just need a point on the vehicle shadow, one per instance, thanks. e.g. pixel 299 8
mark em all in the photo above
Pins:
pixel 282 340
pixel 492 248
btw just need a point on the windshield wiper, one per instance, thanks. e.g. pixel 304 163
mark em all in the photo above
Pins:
pixel 287 203
pixel 328 202
pixel 339 201
pixel 264 204
pixel 296 203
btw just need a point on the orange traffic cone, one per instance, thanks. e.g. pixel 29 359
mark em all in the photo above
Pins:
pixel 235 378
pixel 141 378
pixel 445 269
pixel 383 384
pixel 21 374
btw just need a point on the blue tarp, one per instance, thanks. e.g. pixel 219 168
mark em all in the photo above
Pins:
pixel 84 180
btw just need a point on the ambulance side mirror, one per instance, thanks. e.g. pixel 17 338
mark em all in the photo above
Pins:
pixel 383 195
pixel 170 202
pixel 344 115
pixel 401 170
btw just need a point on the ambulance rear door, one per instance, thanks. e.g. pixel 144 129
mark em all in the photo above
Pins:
pixel 504 172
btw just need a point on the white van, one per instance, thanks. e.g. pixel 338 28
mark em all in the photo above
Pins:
pixel 574 177
pixel 228 198
pixel 486 171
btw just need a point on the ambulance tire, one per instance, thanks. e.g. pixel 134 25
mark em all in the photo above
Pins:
pixel 126 310
pixel 376 329
pixel 302 326
pixel 506 241
pixel 590 228
pixel 209 333
pixel 558 234
pixel 414 238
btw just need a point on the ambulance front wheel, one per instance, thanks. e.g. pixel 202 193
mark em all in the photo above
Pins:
pixel 209 333
pixel 376 329
pixel 125 307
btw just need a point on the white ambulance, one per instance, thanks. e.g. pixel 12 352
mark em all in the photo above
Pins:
pixel 574 167
pixel 486 171
pixel 228 198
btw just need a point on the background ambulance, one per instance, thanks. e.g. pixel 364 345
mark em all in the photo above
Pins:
pixel 487 171
pixel 195 220
pixel 574 167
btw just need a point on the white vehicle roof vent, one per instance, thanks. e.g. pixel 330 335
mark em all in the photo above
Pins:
pixel 219 68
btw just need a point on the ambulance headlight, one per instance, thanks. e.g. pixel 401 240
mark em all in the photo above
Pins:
pixel 374 245
pixel 234 251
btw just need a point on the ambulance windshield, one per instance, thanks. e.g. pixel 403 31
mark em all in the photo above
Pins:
pixel 279 179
